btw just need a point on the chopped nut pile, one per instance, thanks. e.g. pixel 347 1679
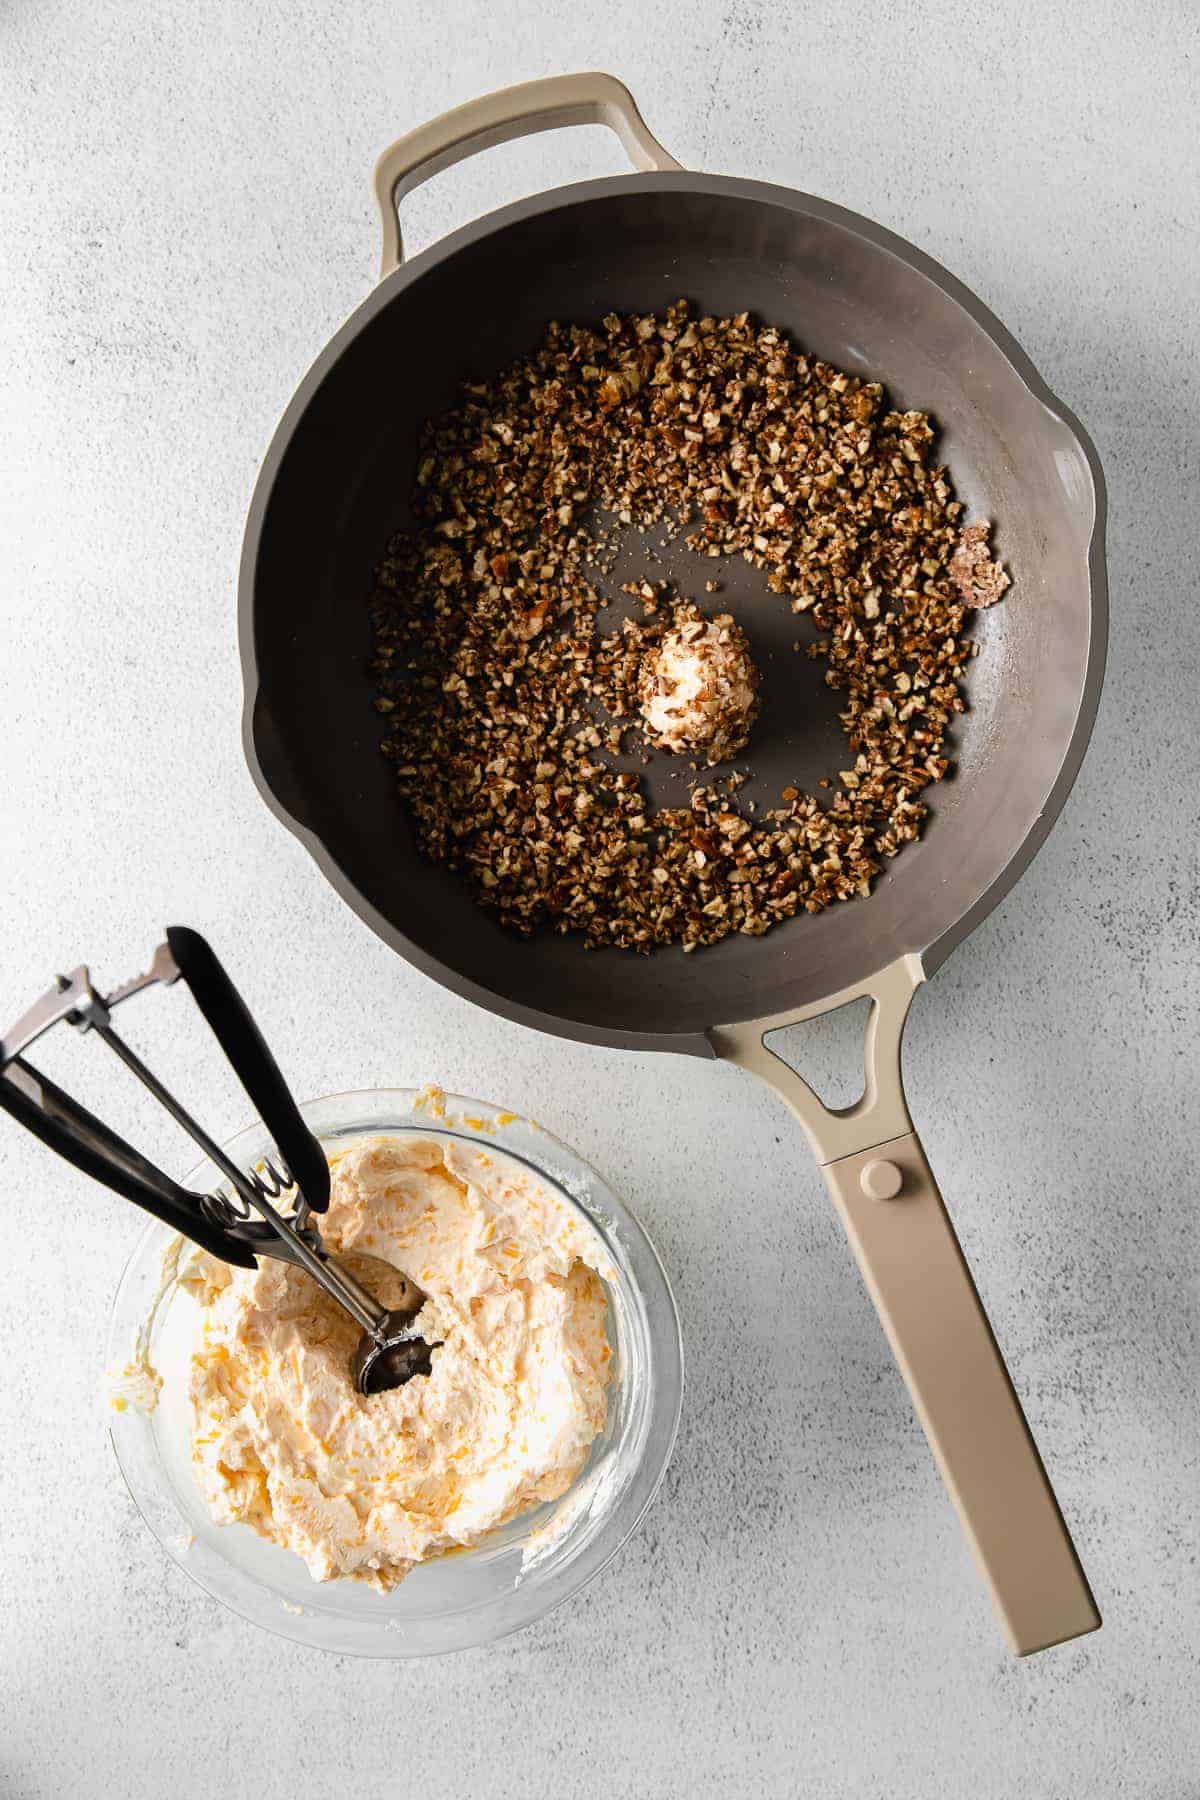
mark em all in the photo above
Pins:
pixel 491 672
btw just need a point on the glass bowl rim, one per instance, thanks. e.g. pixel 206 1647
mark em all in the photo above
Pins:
pixel 530 1599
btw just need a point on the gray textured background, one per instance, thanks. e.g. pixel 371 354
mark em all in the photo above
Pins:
pixel 184 218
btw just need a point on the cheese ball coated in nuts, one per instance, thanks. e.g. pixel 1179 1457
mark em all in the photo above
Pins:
pixel 698 689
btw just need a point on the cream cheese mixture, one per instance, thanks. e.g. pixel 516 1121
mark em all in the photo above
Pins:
pixel 697 689
pixel 369 1487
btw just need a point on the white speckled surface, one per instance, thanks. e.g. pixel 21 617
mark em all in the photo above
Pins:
pixel 184 217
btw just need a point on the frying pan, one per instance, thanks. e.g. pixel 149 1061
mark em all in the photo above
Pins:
pixel 333 490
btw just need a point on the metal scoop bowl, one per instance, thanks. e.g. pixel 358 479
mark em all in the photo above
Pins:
pixel 390 1351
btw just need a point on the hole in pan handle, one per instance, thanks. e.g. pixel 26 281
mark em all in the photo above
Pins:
pixel 560 100
pixel 917 1276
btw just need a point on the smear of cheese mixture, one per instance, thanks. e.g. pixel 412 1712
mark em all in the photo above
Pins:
pixel 368 1487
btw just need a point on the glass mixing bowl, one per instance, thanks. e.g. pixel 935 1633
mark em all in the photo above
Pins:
pixel 468 1597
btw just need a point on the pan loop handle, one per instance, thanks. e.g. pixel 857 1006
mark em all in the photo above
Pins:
pixel 915 1272
pixel 880 1112
pixel 561 100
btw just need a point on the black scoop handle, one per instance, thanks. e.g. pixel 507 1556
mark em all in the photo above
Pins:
pixel 256 1069
pixel 82 1139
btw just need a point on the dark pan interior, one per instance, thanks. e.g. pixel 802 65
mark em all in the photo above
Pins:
pixel 335 487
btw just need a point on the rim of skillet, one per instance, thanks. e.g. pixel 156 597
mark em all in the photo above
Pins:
pixel 933 954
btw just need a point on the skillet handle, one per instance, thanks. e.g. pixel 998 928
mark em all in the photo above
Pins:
pixel 585 99
pixel 915 1272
